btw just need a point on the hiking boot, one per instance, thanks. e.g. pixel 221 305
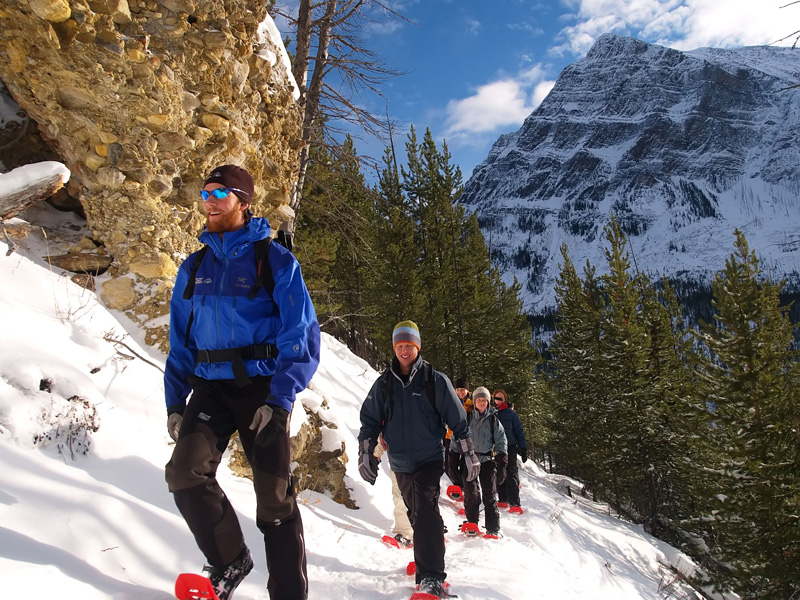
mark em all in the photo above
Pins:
pixel 404 541
pixel 226 579
pixel 494 533
pixel 434 587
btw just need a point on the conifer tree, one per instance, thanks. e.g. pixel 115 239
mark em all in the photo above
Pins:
pixel 432 186
pixel 623 388
pixel 580 435
pixel 316 242
pixel 334 246
pixel 750 386
pixel 354 256
pixel 676 425
pixel 625 346
pixel 395 288
pixel 474 324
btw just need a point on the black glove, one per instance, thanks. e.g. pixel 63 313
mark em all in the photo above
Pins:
pixel 269 422
pixel 451 466
pixel 523 454
pixel 471 460
pixel 501 476
pixel 367 463
pixel 501 461
pixel 174 420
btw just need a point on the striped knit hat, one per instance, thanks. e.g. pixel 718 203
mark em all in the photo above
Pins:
pixel 406 332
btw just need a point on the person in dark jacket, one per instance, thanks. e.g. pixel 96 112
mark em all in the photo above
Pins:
pixel 410 405
pixel 508 493
pixel 452 460
pixel 489 442
pixel 243 353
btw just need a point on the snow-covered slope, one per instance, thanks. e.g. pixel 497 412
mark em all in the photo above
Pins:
pixel 683 147
pixel 102 525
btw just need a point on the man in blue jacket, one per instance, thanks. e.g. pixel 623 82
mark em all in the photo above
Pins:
pixel 243 352
pixel 410 405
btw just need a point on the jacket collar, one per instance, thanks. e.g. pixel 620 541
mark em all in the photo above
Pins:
pixel 414 368
pixel 489 411
pixel 256 229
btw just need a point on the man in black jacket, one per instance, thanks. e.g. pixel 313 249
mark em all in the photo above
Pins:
pixel 410 405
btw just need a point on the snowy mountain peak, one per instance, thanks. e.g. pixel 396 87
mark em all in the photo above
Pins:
pixel 683 147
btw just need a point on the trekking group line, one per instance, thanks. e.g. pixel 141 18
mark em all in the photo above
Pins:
pixel 427 427
pixel 244 340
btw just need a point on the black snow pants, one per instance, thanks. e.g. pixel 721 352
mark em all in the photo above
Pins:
pixel 420 491
pixel 509 491
pixel 215 411
pixel 482 488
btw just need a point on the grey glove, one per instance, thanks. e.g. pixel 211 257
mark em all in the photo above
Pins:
pixel 269 422
pixel 367 463
pixel 174 420
pixel 471 460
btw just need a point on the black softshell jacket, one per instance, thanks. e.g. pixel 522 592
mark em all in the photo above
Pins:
pixel 414 433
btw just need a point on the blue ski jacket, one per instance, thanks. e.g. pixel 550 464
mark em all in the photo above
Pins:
pixel 513 427
pixel 412 426
pixel 224 317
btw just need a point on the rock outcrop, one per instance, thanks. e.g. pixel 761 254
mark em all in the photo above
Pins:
pixel 140 99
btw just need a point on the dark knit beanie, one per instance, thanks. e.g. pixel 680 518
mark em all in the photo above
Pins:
pixel 235 179
pixel 462 382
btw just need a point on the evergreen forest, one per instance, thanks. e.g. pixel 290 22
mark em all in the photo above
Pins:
pixel 689 427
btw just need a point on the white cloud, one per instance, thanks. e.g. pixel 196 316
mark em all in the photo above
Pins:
pixel 473 26
pixel 496 106
pixel 685 25
pixel 541 90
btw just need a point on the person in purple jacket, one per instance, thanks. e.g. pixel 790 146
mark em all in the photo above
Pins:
pixel 243 348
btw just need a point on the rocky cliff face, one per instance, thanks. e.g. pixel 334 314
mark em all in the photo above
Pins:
pixel 140 99
pixel 682 147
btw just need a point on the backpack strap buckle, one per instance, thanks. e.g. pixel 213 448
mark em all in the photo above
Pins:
pixel 237 356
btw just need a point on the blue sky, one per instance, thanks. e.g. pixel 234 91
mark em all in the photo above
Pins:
pixel 476 68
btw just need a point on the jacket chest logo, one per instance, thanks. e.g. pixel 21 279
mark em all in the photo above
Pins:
pixel 243 282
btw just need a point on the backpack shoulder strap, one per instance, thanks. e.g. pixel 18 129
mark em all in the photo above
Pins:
pixel 386 392
pixel 188 291
pixel 263 270
pixel 429 383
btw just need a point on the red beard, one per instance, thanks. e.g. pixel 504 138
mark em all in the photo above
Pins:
pixel 227 221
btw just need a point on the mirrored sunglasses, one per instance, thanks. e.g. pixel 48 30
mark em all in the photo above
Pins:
pixel 218 193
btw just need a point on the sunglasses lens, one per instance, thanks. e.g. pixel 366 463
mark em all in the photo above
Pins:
pixel 218 193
